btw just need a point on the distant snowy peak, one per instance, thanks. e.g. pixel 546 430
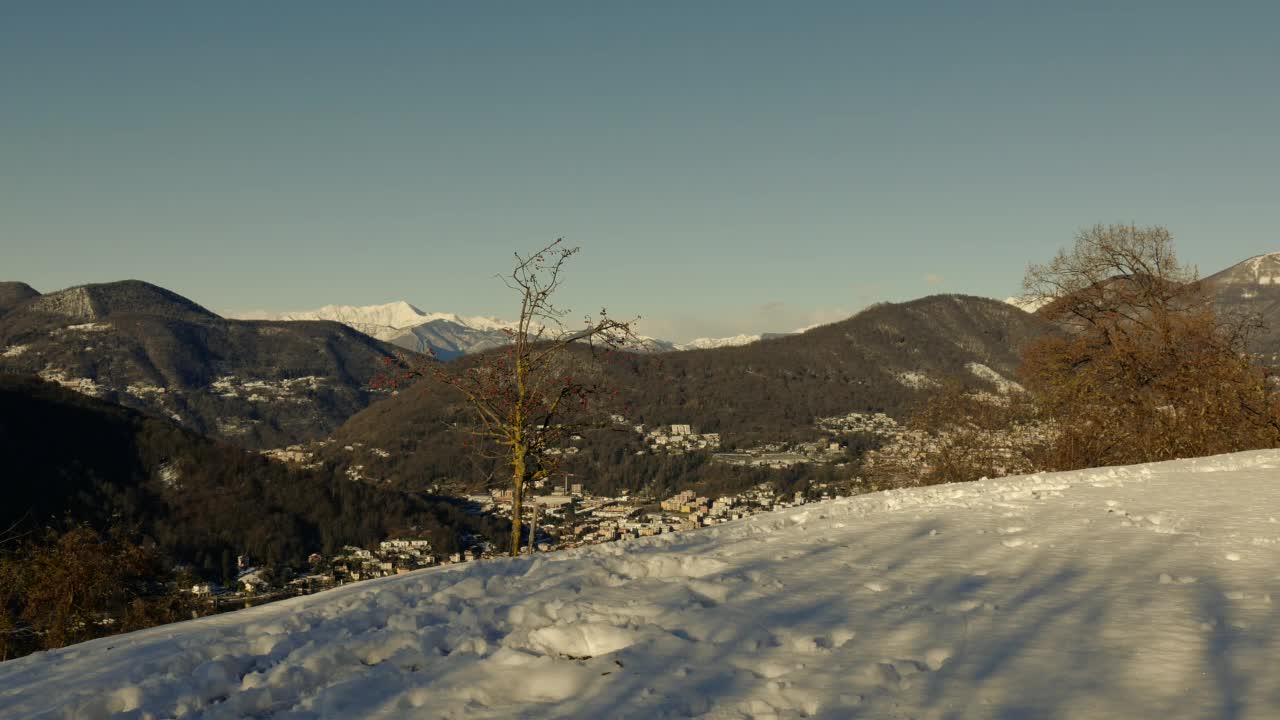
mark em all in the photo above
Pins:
pixel 1259 270
pixel 475 322
pixel 389 321
pixel 1026 304
pixel 708 343
pixel 449 335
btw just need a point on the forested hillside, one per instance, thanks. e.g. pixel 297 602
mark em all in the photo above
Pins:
pixel 260 384
pixel 70 459
pixel 885 359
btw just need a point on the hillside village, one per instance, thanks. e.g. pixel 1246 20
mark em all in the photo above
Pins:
pixel 568 515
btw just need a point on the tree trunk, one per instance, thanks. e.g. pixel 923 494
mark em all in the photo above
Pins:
pixel 533 529
pixel 517 499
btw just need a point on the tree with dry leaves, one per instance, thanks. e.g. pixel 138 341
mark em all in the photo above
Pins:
pixel 528 398
pixel 1142 367
pixel 62 588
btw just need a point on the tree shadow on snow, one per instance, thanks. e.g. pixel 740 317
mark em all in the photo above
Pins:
pixel 1043 632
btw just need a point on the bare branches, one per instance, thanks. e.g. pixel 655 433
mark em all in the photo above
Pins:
pixel 528 397
pixel 1147 369
pixel 1114 272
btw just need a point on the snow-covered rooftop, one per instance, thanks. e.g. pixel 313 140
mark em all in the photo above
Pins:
pixel 1133 592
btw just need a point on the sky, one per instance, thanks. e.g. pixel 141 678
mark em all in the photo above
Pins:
pixel 726 167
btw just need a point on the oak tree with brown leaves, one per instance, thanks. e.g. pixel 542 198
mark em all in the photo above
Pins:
pixel 1143 367
pixel 528 398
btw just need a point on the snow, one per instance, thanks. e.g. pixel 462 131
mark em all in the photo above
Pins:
pixel 1257 270
pixel 1003 384
pixel 383 321
pixel 1143 591
pixel 1027 304
pixel 393 320
pixel 84 386
pixel 705 343
pixel 916 379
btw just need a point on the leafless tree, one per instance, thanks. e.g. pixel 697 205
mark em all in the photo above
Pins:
pixel 531 396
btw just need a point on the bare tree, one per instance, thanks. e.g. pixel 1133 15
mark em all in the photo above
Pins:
pixel 531 396
pixel 1143 367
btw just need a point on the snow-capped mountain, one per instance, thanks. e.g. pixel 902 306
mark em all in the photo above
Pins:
pixel 1123 592
pixel 449 335
pixel 704 343
pixel 1261 270
pixel 1025 304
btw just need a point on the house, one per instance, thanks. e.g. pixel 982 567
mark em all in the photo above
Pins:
pixel 251 580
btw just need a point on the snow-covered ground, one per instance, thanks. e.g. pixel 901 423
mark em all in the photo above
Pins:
pixel 1140 592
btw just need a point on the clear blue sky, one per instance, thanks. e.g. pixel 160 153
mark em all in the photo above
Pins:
pixel 726 166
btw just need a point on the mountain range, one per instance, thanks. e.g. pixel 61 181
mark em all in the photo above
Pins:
pixel 887 358
pixel 297 377
pixel 449 335
pixel 446 335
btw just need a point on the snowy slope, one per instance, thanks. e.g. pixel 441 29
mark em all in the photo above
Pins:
pixel 383 321
pixel 1257 270
pixel 1026 304
pixel 1134 592
pixel 704 343
pixel 448 335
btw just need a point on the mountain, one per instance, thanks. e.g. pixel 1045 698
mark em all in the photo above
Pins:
pixel 448 338
pixel 1125 592
pixel 258 383
pixel 887 358
pixel 704 343
pixel 13 294
pixel 1253 287
pixel 69 458
pixel 1261 271
pixel 445 334
pixel 448 335
pixel 1025 304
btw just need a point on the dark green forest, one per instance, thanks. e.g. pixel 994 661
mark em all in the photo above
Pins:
pixel 70 459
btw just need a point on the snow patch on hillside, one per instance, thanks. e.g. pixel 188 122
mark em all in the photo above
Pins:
pixel 1144 591
pixel 916 380
pixel 84 386
pixel 1003 384
pixel 1027 304
pixel 259 390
